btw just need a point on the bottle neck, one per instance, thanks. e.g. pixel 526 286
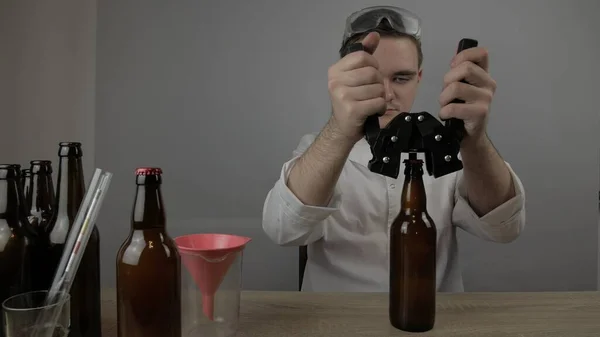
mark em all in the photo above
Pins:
pixel 148 209
pixel 70 186
pixel 414 199
pixel 40 194
pixel 10 203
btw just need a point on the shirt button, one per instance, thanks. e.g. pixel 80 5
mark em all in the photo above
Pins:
pixel 392 186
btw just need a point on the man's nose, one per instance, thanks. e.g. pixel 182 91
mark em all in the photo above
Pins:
pixel 389 93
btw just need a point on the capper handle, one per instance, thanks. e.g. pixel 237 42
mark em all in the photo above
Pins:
pixel 458 125
pixel 371 126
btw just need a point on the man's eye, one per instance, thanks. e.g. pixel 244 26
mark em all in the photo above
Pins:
pixel 401 79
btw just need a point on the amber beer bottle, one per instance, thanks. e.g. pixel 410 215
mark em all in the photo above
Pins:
pixel 25 183
pixel 148 267
pixel 85 291
pixel 41 208
pixel 13 239
pixel 413 257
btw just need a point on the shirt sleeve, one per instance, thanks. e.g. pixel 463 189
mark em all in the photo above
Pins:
pixel 286 220
pixel 503 224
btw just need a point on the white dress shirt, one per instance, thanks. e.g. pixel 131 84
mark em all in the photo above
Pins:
pixel 348 240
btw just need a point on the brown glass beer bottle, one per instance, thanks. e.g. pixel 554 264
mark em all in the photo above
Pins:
pixel 25 183
pixel 85 291
pixel 41 208
pixel 148 267
pixel 413 257
pixel 41 197
pixel 13 239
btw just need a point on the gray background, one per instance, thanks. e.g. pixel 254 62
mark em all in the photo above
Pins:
pixel 219 93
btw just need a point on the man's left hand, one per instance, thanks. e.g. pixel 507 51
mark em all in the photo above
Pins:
pixel 470 65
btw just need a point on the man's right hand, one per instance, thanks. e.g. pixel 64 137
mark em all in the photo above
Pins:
pixel 356 90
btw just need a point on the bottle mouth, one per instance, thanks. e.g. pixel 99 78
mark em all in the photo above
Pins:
pixel 69 144
pixel 70 149
pixel 413 161
pixel 148 171
pixel 41 166
pixel 40 162
pixel 9 171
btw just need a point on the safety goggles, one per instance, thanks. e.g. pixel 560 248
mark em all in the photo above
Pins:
pixel 370 18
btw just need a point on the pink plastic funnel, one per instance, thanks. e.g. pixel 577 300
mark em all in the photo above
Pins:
pixel 207 257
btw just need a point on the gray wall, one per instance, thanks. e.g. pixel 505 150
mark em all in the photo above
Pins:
pixel 174 78
pixel 47 79
pixel 251 77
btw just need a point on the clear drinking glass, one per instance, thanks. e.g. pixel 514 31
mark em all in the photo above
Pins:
pixel 226 303
pixel 20 313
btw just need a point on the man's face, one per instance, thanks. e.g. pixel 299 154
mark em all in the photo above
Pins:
pixel 399 64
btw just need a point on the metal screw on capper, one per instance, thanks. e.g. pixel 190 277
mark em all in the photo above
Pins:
pixel 394 139
pixel 448 157
pixel 386 159
pixel 407 118
pixel 421 118
pixel 438 137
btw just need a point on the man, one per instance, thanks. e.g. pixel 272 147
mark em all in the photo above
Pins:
pixel 327 198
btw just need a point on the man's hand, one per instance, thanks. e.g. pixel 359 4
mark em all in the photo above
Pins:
pixel 487 178
pixel 470 65
pixel 356 90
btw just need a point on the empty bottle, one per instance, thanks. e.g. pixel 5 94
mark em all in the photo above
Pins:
pixel 413 257
pixel 148 267
pixel 85 291
pixel 41 208
pixel 25 183
pixel 22 200
pixel 14 277
pixel 41 196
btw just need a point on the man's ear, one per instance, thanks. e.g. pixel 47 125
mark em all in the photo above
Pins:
pixel 420 75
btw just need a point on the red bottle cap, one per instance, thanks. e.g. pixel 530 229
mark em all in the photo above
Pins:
pixel 148 171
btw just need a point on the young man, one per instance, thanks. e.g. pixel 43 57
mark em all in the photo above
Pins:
pixel 327 198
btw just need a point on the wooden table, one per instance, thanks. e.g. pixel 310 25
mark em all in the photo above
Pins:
pixel 296 314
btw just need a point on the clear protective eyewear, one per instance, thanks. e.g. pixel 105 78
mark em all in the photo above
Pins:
pixel 399 19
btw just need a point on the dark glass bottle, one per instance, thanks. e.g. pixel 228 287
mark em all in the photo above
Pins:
pixel 41 198
pixel 26 183
pixel 148 267
pixel 22 200
pixel 41 208
pixel 13 239
pixel 85 291
pixel 413 257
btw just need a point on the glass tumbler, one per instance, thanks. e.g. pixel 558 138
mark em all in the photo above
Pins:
pixel 20 314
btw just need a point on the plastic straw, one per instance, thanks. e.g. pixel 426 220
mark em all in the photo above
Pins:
pixel 74 249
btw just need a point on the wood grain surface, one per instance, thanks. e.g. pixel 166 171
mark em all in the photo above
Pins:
pixel 297 314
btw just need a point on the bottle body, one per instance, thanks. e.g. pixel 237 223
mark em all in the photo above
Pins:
pixel 85 290
pixel 413 238
pixel 14 242
pixel 148 268
pixel 86 310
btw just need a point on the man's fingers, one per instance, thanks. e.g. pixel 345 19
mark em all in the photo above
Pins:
pixel 465 92
pixel 471 73
pixel 363 93
pixel 361 76
pixel 358 59
pixel 371 41
pixel 464 111
pixel 477 55
pixel 370 107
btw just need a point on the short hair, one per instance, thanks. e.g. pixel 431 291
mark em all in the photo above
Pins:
pixel 384 30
